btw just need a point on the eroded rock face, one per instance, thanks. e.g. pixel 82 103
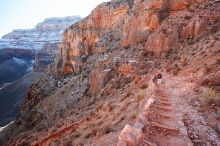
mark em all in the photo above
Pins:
pixel 125 23
pixel 57 23
pixel 161 42
pixel 46 56
pixel 48 31
pixel 92 35
pixel 201 23
pixel 98 80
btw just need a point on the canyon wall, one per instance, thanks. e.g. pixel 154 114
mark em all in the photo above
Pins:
pixel 121 24
pixel 48 31
pixel 45 56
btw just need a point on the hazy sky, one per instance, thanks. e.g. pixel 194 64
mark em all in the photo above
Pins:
pixel 22 14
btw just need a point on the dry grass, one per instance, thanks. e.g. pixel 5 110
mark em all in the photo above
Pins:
pixel 143 86
pixel 141 95
pixel 210 99
pixel 134 115
pixel 105 129
pixel 90 133
pixel 120 119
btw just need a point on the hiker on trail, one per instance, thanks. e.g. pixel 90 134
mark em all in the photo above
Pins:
pixel 159 78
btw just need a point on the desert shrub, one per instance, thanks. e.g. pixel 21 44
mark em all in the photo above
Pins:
pixel 218 61
pixel 128 93
pixel 78 142
pixel 25 143
pixel 134 115
pixel 77 134
pixel 90 133
pixel 67 142
pixel 168 69
pixel 184 62
pixel 105 129
pixel 175 72
pixel 176 69
pixel 110 108
pixel 210 97
pixel 143 86
pixel 187 17
pixel 137 79
pixel 144 53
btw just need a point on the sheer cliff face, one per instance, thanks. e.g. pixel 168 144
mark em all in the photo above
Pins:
pixel 48 31
pixel 128 22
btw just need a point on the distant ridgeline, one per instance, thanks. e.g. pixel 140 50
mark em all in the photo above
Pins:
pixel 49 31
pixel 41 41
pixel 19 48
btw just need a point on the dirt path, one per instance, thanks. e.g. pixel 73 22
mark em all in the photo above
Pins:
pixel 165 126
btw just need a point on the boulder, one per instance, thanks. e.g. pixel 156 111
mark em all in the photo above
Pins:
pixel 131 136
pixel 194 28
pixel 161 41
pixel 98 79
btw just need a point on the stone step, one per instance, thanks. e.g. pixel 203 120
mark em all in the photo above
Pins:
pixel 161 94
pixel 162 115
pixel 164 99
pixel 164 127
pixel 163 102
pixel 149 143
pixel 162 107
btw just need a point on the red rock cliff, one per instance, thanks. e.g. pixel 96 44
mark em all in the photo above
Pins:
pixel 126 23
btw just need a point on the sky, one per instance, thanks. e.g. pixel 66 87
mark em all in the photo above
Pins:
pixel 25 14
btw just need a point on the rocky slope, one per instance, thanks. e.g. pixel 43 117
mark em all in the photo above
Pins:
pixel 12 95
pixel 48 31
pixel 100 90
pixel 14 63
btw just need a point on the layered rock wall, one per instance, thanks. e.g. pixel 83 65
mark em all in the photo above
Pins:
pixel 50 30
pixel 126 23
